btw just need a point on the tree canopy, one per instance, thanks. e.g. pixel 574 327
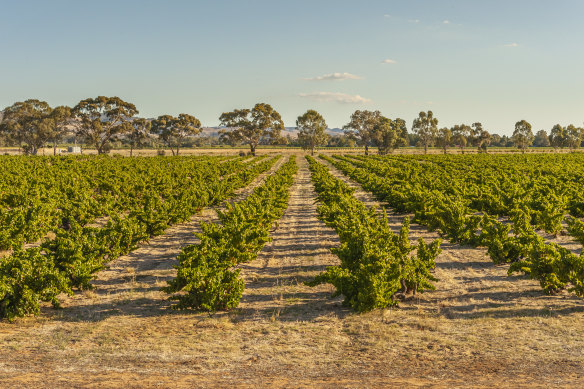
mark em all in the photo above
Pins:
pixel 426 127
pixel 481 138
pixel 172 130
pixel 311 130
pixel 460 135
pixel 574 136
pixel 250 126
pixel 28 122
pixel 102 119
pixel 444 139
pixel 558 137
pixel 60 119
pixel 522 136
pixel 389 134
pixel 138 133
pixel 361 127
pixel 541 139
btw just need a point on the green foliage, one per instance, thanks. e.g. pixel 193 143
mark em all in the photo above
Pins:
pixel 102 119
pixel 576 229
pixel 138 207
pixel 34 123
pixel 426 127
pixel 250 126
pixel 26 278
pixel 361 127
pixel 173 130
pixel 311 130
pixel 460 195
pixel 375 262
pixel 138 133
pixel 522 136
pixel 389 134
pixel 207 278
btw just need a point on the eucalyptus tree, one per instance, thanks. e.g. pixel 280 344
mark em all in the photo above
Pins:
pixel 574 137
pixel 389 134
pixel 361 127
pixel 474 133
pixel 311 130
pixel 138 133
pixel 426 127
pixel 541 139
pixel 522 136
pixel 173 130
pixel 461 133
pixel 479 137
pixel 444 139
pixel 482 141
pixel 102 119
pixel 558 137
pixel 250 126
pixel 60 120
pixel 401 130
pixel 29 123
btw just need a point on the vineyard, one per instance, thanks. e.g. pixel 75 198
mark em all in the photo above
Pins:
pixel 290 269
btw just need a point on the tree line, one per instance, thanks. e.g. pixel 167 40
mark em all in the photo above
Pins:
pixel 100 121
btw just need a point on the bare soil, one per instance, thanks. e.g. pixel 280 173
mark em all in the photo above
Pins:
pixel 480 328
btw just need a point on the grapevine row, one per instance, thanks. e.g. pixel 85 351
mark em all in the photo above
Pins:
pixel 208 278
pixel 71 259
pixel 449 212
pixel 48 193
pixel 376 264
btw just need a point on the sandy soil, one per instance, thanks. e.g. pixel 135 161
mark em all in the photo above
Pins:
pixel 140 274
pixel 480 328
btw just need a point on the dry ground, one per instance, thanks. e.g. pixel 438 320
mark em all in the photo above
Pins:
pixel 480 328
pixel 288 150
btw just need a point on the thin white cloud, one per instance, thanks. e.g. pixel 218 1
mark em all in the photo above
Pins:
pixel 511 44
pixel 414 20
pixel 335 77
pixel 335 97
pixel 446 22
pixel 387 16
pixel 389 61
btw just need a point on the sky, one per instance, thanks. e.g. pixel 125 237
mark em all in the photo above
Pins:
pixel 495 62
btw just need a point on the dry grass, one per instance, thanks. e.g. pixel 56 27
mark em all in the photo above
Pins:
pixel 480 328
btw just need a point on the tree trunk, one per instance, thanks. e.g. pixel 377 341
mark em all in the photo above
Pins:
pixel 131 149
pixel 253 149
pixel 366 149
pixel 425 148
pixel 177 147
pixel 312 151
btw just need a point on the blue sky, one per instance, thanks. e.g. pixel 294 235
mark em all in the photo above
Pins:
pixel 496 62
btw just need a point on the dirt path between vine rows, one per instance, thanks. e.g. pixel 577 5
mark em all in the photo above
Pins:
pixel 131 284
pixel 479 329
pixel 300 249
pixel 470 286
